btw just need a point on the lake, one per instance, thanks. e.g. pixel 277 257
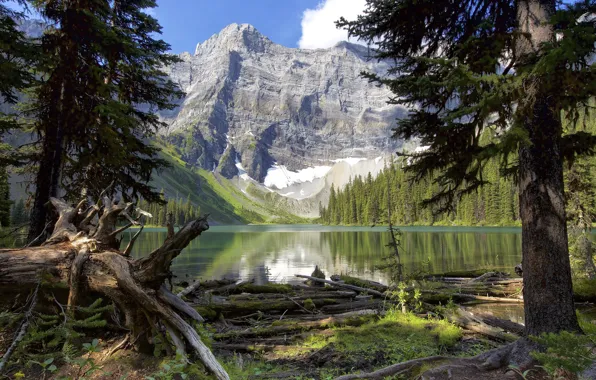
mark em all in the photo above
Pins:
pixel 278 252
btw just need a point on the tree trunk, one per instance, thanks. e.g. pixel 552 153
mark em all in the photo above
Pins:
pixel 548 296
pixel 81 254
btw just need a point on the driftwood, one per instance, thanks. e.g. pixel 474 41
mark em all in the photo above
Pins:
pixel 83 252
pixel 345 286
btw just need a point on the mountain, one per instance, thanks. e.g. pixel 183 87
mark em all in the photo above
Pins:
pixel 264 130
pixel 291 121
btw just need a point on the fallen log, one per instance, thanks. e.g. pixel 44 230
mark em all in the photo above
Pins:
pixel 484 277
pixel 296 327
pixel 301 297
pixel 345 286
pixel 351 306
pixel 132 284
pixel 504 324
pixel 463 296
pixel 235 308
pixel 469 321
pixel 360 282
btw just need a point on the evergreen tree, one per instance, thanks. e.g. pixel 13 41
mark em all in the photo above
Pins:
pixel 468 66
pixel 96 106
pixel 5 202
pixel 19 214
pixel 17 53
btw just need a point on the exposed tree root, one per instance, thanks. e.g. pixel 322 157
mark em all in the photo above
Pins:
pixel 396 369
pixel 83 253
pixel 517 353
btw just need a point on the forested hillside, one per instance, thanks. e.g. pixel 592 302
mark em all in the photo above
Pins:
pixel 364 201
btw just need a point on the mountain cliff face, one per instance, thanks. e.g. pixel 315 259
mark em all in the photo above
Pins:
pixel 261 111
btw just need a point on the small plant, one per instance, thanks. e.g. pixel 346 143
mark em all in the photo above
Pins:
pixel 416 300
pixel 402 297
pixel 47 366
pixel 564 351
pixel 85 363
pixel 172 369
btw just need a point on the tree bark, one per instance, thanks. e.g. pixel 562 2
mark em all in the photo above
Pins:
pixel 547 290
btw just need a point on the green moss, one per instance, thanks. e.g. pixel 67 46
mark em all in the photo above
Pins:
pixel 584 289
pixel 394 338
pixel 267 288
pixel 207 312
pixel 308 304
pixel 358 282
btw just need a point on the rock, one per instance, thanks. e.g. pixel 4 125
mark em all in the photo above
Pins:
pixel 272 104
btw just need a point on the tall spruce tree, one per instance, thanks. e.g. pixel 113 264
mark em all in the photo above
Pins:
pixel 95 108
pixel 516 67
pixel 16 54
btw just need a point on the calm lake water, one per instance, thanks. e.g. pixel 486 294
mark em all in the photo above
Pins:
pixel 278 252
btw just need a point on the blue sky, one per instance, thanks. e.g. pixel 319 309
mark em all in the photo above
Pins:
pixel 187 22
pixel 307 24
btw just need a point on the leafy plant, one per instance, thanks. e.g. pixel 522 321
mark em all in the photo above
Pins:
pixel 175 368
pixel 85 363
pixel 46 366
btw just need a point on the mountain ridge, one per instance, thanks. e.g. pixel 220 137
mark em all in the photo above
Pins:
pixel 254 107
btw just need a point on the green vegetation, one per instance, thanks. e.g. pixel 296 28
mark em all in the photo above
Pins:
pixel 209 192
pixel 394 338
pixel 364 201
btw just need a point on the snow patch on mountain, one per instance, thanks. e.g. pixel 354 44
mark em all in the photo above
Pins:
pixel 280 177
pixel 350 160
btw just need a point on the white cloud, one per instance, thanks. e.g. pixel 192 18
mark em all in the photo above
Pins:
pixel 318 25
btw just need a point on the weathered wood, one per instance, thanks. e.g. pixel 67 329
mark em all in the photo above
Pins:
pixel 504 324
pixel 484 277
pixel 467 320
pixel 351 306
pixel 345 286
pixel 301 297
pixel 22 330
pixel 295 327
pixel 475 297
pixel 91 258
pixel 176 302
pixel 154 269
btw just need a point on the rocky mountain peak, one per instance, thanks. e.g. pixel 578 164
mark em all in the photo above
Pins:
pixel 262 113
pixel 235 37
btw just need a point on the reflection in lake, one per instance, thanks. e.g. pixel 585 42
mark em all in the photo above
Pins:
pixel 277 252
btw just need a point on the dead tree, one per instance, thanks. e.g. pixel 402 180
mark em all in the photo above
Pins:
pixel 83 252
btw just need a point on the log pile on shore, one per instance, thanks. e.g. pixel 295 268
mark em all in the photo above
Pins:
pixel 274 317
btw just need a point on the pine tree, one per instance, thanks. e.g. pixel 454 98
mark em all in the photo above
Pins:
pixel 19 214
pixel 5 202
pixel 473 65
pixel 95 107
pixel 17 53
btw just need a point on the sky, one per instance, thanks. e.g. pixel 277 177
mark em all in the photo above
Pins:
pixel 292 23
pixel 308 24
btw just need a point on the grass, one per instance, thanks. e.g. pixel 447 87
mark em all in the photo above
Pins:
pixel 394 338
pixel 214 193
